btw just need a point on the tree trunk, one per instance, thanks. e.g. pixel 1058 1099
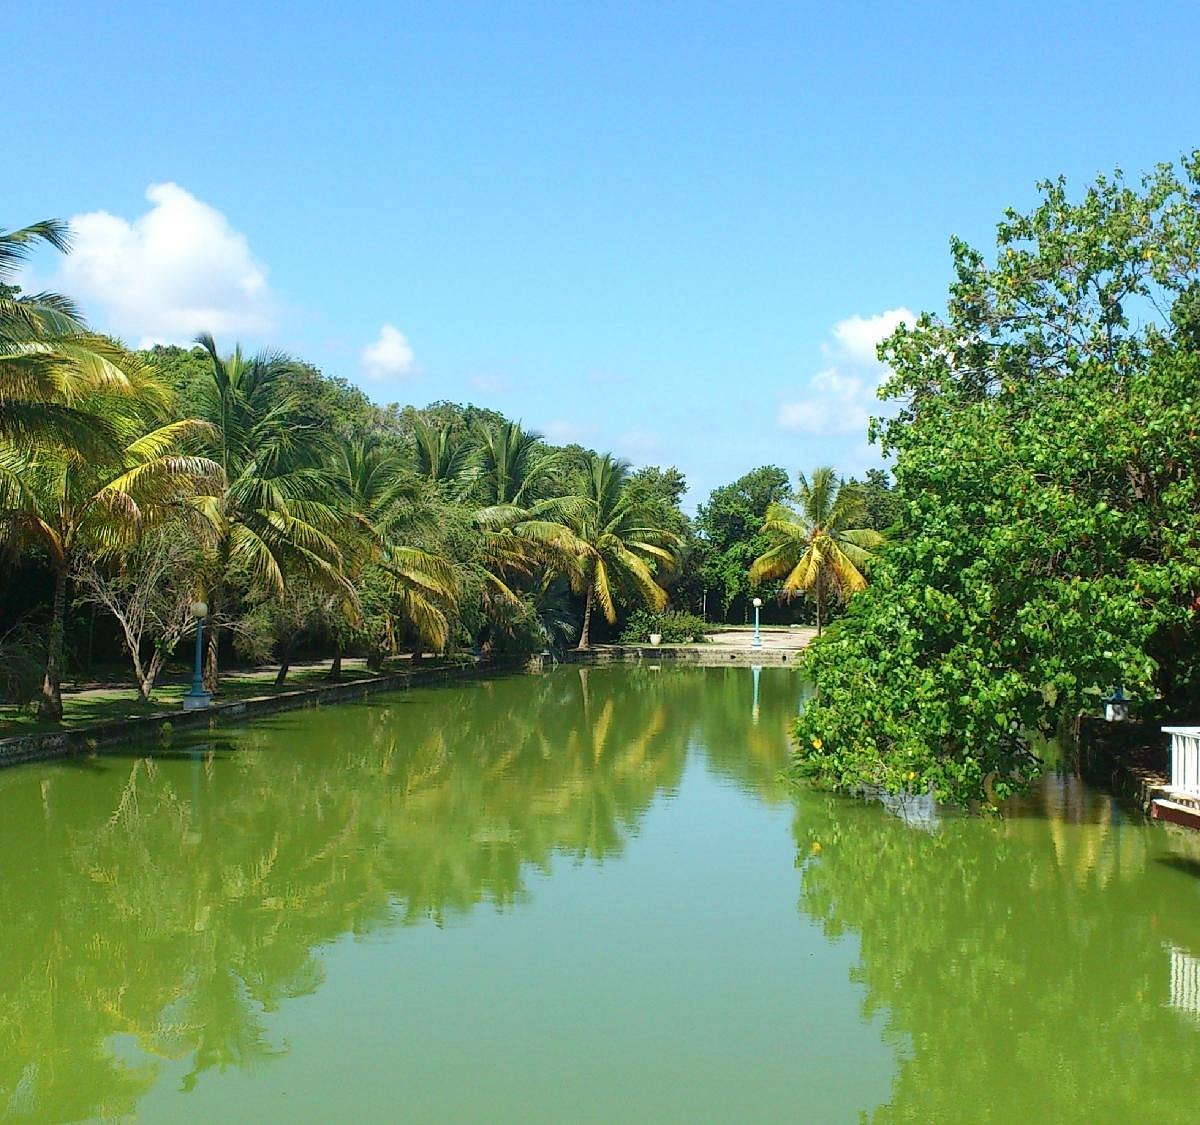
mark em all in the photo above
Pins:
pixel 212 668
pixel 50 708
pixel 335 669
pixel 585 632
pixel 285 662
pixel 820 604
pixel 147 679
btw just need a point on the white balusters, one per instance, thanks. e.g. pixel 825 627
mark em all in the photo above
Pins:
pixel 1185 760
pixel 1185 982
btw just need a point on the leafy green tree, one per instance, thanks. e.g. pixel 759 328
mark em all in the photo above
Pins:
pixel 147 589
pixel 1048 543
pixel 879 498
pixel 816 548
pixel 729 526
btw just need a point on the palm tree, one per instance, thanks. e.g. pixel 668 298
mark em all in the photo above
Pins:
pixel 820 547
pixel 440 454
pixel 49 360
pixel 276 509
pixel 63 502
pixel 523 534
pixel 615 542
pixel 388 508
pixel 513 467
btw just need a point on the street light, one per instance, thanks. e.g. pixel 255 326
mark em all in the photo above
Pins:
pixel 198 699
pixel 1116 706
pixel 757 643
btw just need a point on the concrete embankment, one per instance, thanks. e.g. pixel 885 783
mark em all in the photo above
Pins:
pixel 725 650
pixel 74 741
pixel 703 655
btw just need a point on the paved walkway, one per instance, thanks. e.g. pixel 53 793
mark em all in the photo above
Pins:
pixel 789 640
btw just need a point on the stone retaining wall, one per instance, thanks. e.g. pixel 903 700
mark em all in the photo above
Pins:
pixel 705 656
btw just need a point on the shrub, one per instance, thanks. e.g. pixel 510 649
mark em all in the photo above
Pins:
pixel 676 627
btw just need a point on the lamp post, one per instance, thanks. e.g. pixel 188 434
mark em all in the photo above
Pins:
pixel 197 699
pixel 1116 706
pixel 757 642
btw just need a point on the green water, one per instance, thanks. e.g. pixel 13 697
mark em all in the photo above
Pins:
pixel 576 897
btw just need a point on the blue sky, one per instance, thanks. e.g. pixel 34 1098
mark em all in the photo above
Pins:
pixel 669 230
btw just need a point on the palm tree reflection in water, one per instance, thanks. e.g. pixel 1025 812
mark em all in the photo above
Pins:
pixel 165 905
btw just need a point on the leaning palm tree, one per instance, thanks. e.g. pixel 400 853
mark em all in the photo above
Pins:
pixel 277 508
pixel 64 503
pixel 615 541
pixel 49 360
pixel 820 547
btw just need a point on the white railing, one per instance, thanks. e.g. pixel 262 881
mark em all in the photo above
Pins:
pixel 1185 759
pixel 1185 982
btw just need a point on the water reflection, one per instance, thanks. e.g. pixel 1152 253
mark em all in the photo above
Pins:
pixel 159 908
pixel 1038 967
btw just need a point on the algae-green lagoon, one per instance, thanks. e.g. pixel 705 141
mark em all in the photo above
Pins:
pixel 580 896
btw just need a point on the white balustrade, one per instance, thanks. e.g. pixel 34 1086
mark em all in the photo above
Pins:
pixel 1185 760
pixel 1185 982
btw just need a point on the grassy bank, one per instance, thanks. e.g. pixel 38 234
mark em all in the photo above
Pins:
pixel 89 705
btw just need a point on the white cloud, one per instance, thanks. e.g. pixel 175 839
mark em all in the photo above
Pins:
pixel 841 397
pixel 389 357
pixel 859 336
pixel 175 271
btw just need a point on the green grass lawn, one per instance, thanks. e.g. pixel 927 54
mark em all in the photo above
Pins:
pixel 99 705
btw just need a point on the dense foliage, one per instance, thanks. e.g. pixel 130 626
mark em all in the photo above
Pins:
pixel 1047 546
pixel 307 518
pixel 674 627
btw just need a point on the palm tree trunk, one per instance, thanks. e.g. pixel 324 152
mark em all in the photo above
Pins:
pixel 285 662
pixel 50 708
pixel 212 668
pixel 335 669
pixel 820 604
pixel 587 618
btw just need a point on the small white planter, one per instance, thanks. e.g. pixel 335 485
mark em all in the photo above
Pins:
pixel 656 638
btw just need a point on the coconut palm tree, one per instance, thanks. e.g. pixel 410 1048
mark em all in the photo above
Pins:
pixel 820 547
pixel 276 510
pixel 513 467
pixel 64 503
pixel 521 515
pixel 614 541
pixel 49 360
pixel 439 454
pixel 388 508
